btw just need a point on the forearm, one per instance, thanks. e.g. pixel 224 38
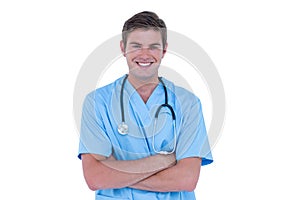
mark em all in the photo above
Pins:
pixel 110 173
pixel 183 176
pixel 141 166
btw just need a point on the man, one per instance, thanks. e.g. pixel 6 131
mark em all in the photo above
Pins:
pixel 163 142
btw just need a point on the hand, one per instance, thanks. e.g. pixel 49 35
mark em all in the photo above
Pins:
pixel 111 157
pixel 166 160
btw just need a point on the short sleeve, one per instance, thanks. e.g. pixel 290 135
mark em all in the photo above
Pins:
pixel 192 138
pixel 93 138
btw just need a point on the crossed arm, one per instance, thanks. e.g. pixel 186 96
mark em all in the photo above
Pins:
pixel 158 173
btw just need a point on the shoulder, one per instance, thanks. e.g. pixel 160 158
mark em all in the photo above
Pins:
pixel 104 93
pixel 182 94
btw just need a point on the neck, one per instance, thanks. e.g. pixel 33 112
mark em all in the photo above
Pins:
pixel 144 87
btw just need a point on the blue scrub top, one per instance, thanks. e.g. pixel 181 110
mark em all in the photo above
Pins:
pixel 101 115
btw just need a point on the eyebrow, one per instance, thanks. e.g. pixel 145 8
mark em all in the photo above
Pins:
pixel 153 44
pixel 135 43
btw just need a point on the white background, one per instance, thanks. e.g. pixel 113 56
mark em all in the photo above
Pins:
pixel 254 44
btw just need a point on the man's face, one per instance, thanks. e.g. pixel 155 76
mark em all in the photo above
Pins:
pixel 144 52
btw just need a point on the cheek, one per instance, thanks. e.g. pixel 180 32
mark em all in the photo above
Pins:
pixel 129 58
pixel 159 55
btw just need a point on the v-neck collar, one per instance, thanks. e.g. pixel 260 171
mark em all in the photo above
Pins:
pixel 133 94
pixel 144 110
pixel 157 93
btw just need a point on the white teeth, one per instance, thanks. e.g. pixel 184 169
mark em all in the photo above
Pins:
pixel 144 64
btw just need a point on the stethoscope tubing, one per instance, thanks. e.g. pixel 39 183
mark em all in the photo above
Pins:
pixel 121 98
pixel 123 128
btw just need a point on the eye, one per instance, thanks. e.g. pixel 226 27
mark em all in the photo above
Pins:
pixel 154 47
pixel 136 46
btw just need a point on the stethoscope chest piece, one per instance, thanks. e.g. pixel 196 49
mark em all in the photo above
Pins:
pixel 123 128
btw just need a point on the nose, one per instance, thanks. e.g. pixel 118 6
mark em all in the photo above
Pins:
pixel 144 52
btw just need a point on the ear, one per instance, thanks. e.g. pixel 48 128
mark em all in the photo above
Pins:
pixel 165 50
pixel 122 46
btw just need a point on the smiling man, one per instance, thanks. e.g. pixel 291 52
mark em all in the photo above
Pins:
pixel 142 137
pixel 144 52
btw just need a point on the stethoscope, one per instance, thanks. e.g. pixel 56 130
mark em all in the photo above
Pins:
pixel 123 127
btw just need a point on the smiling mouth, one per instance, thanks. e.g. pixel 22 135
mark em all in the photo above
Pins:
pixel 144 64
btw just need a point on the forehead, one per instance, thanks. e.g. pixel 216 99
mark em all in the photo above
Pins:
pixel 144 36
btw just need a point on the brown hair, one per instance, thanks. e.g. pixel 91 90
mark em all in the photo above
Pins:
pixel 145 20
